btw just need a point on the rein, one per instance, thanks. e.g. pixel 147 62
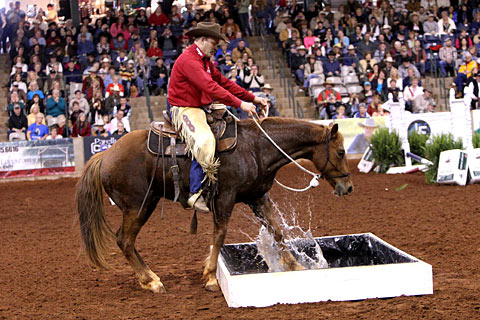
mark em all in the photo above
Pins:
pixel 314 182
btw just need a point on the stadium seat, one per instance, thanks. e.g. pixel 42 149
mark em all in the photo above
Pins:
pixel 314 84
pixel 350 79
pixel 336 80
pixel 341 89
pixel 347 70
pixel 354 89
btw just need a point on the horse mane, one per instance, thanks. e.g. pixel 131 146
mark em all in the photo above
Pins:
pixel 290 125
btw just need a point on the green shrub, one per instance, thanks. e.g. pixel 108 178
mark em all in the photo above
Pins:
pixel 417 143
pixel 387 149
pixel 432 152
pixel 476 140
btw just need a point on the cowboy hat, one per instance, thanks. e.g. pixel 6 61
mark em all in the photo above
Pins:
pixel 369 123
pixel 105 60
pixel 351 47
pixel 427 88
pixel 413 14
pixel 302 47
pixel 337 45
pixel 328 81
pixel 267 86
pixel 99 123
pixel 386 27
pixel 389 59
pixel 207 29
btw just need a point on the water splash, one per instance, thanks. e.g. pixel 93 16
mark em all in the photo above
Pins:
pixel 300 242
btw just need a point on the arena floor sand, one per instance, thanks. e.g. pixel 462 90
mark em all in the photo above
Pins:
pixel 44 274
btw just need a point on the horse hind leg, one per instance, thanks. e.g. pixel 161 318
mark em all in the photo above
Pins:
pixel 262 208
pixel 126 236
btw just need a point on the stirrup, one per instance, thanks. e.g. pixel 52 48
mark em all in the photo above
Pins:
pixel 196 201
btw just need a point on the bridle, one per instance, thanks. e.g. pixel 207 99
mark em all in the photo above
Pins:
pixel 328 161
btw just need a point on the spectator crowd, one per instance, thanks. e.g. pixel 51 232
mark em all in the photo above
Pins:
pixel 76 80
pixel 383 49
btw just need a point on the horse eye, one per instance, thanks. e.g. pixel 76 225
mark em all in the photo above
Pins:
pixel 341 154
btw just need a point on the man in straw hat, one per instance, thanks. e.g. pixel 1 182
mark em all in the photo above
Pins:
pixel 194 84
pixel 361 141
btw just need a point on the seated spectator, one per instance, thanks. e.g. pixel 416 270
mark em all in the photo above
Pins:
pixel 124 106
pixel 330 107
pixel 142 74
pixel 313 69
pixel 254 81
pixel 465 72
pixel 97 111
pixel 159 76
pixel 238 51
pixel 331 67
pixel 117 119
pixel 34 90
pixel 393 89
pixel 17 124
pixel 362 111
pixel 54 133
pixel 230 24
pixel 297 63
pixel 421 102
pixel 403 68
pixel 380 85
pixel 267 90
pixel 446 25
pixel 120 130
pixel 340 114
pixel 381 52
pixel 287 32
pixel 72 73
pixel 32 116
pixel 74 113
pixel 14 102
pixel 99 130
pixel 448 57
pixel 118 43
pixel 15 90
pixel 127 74
pixel 430 26
pixel 374 108
pixel 50 83
pixel 115 84
pixel 407 81
pixel 94 90
pixel 88 81
pixel 366 45
pixel 419 56
pixel 136 52
pixel 154 51
pixel 85 47
pixel 411 92
pixel 103 46
pixel 367 63
pixel 158 18
pixel 56 108
pixel 81 128
pixel 121 60
pixel 37 130
pixel 309 39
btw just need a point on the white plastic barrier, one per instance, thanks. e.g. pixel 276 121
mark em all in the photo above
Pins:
pixel 453 167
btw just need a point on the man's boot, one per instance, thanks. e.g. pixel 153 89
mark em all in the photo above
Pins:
pixel 197 202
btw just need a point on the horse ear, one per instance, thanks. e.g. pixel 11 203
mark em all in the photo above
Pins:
pixel 334 130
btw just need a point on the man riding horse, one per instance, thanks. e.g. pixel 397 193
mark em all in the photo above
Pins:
pixel 194 84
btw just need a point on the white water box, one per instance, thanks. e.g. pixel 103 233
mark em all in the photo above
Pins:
pixel 474 165
pixel 361 266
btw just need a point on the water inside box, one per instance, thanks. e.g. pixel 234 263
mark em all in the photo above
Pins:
pixel 342 251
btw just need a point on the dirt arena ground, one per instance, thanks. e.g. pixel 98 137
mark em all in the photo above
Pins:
pixel 44 274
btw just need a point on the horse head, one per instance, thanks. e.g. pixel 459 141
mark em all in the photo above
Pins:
pixel 330 159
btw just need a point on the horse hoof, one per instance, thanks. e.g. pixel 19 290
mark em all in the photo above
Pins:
pixel 155 286
pixel 212 286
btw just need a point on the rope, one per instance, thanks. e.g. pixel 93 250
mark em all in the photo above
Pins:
pixel 313 183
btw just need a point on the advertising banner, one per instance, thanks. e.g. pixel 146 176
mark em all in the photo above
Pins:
pixel 93 145
pixel 33 158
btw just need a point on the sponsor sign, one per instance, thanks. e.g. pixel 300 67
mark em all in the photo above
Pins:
pixel 32 158
pixel 93 145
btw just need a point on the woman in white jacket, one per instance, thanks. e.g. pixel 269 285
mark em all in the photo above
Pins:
pixel 446 25
pixel 313 69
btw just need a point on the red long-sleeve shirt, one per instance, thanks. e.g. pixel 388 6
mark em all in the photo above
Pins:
pixel 195 82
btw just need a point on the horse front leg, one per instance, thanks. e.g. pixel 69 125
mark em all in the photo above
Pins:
pixel 262 208
pixel 223 211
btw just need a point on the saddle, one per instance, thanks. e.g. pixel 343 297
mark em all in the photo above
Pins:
pixel 223 126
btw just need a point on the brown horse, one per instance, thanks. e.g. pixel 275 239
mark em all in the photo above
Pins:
pixel 245 175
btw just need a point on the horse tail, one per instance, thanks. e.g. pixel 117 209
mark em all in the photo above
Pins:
pixel 96 234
